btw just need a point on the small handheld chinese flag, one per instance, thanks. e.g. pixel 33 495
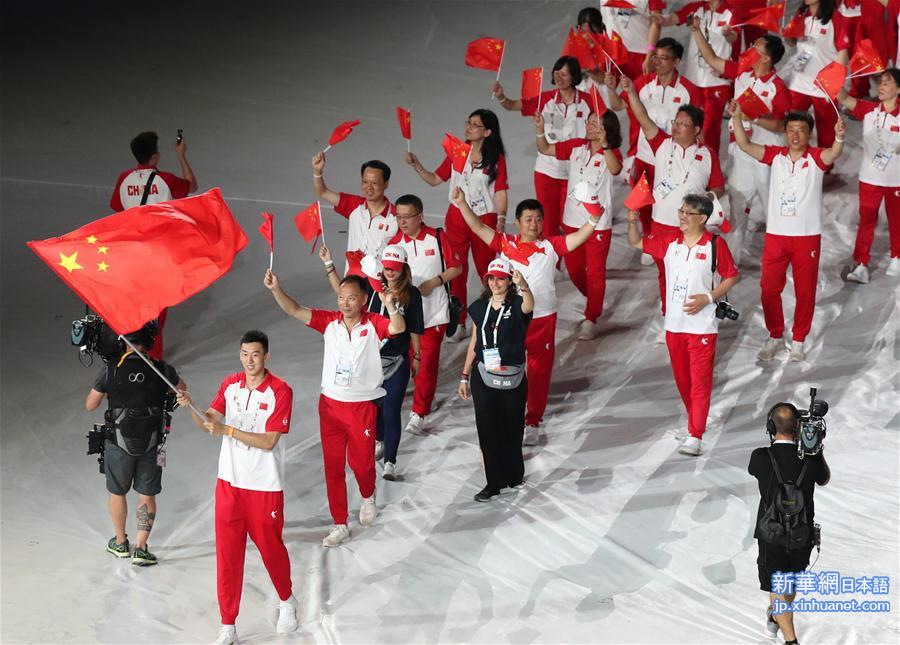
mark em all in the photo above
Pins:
pixel 768 18
pixel 577 46
pixel 751 105
pixel 865 59
pixel 309 222
pixel 598 105
pixel 404 118
pixel 641 195
pixel 615 49
pixel 354 263
pixel 832 78
pixel 796 28
pixel 341 132
pixel 457 151
pixel 747 60
pixel 532 79
pixel 485 53
pixel 267 230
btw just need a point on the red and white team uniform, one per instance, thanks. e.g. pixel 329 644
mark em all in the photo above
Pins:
pixel 351 381
pixel 819 46
pixel 879 176
pixel 715 90
pixel 561 123
pixel 540 340
pixel 749 177
pixel 424 259
pixel 793 236
pixel 479 190
pixel 633 27
pixel 589 180
pixel 366 232
pixel 679 172
pixel 249 489
pixel 691 339
pixel 662 103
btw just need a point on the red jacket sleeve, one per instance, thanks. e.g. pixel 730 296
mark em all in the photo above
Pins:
pixel 178 186
pixel 816 154
pixel 280 419
pixel 496 243
pixel 862 109
pixel 321 319
pixel 444 170
pixel 716 178
pixel 725 266
pixel 687 10
pixel 658 140
pixel 381 324
pixel 564 148
pixel 731 70
pixel 770 153
pixel 655 245
pixel 502 180
pixel 657 5
pixel 781 104
pixel 559 244
pixel 347 204
pixel 115 201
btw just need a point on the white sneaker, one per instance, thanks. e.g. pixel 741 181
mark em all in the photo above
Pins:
pixel 339 534
pixel 893 267
pixel 389 470
pixel 797 352
pixel 459 335
pixel 287 616
pixel 379 450
pixel 681 434
pixel 772 348
pixel 531 436
pixel 587 330
pixel 368 511
pixel 227 636
pixel 772 627
pixel 415 425
pixel 690 446
pixel 860 274
pixel 647 260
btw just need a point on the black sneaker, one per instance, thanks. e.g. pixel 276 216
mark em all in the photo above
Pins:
pixel 143 557
pixel 485 494
pixel 118 550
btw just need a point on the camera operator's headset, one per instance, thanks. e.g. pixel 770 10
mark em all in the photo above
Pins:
pixel 770 422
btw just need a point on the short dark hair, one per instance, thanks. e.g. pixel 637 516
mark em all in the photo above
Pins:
pixel 695 113
pixel 784 419
pixel 591 17
pixel 529 205
pixel 144 146
pixel 894 72
pixel 774 47
pixel 670 43
pixel 410 200
pixel 700 202
pixel 574 67
pixel 256 336
pixel 358 280
pixel 377 165
pixel 797 115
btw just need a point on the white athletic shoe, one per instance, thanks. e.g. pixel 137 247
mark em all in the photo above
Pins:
pixel 681 434
pixel 771 626
pixel 690 446
pixel 860 274
pixel 287 616
pixel 459 335
pixel 797 352
pixel 379 450
pixel 368 511
pixel 339 534
pixel 647 260
pixel 771 349
pixel 893 268
pixel 531 436
pixel 587 330
pixel 415 425
pixel 389 470
pixel 227 636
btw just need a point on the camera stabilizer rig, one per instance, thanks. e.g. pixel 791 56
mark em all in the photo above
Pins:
pixel 811 436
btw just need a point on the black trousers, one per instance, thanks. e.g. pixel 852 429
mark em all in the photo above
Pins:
pixel 500 419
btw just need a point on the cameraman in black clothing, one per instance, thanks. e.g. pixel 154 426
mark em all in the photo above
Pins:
pixel 783 425
pixel 135 424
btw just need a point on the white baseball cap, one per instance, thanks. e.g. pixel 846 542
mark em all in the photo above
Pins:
pixel 394 257
pixel 500 268
pixel 373 269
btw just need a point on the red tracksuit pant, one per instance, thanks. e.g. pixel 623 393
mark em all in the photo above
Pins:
pixel 824 114
pixel 462 239
pixel 671 232
pixel 348 435
pixel 869 202
pixel 259 514
pixel 692 357
pixel 586 266
pixel 426 378
pixel 643 168
pixel 540 346
pixel 551 193
pixel 714 101
pixel 802 253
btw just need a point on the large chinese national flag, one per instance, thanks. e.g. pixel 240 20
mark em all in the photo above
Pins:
pixel 768 18
pixel 130 266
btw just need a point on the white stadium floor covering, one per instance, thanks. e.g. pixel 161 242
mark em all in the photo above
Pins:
pixel 616 538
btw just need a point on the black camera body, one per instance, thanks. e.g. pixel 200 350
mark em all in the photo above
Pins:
pixel 91 335
pixel 180 137
pixel 725 310
pixel 96 437
pixel 811 434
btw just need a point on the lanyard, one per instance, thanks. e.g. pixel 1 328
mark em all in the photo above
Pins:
pixel 672 159
pixel 496 324
pixel 240 412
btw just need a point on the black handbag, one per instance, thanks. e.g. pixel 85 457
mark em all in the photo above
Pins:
pixel 454 307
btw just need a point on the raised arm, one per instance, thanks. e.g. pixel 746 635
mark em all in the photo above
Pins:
pixel 524 291
pixel 186 171
pixel 486 233
pixel 711 58
pixel 615 101
pixel 513 105
pixel 831 155
pixel 288 305
pixel 543 146
pixel 397 321
pixel 649 128
pixel 846 100
pixel 319 188
pixel 579 237
pixel 634 235
pixel 427 176
pixel 740 134
pixel 330 271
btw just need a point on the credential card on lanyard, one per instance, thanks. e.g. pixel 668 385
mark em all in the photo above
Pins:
pixel 679 290
pixel 342 372
pixel 492 360
pixel 881 159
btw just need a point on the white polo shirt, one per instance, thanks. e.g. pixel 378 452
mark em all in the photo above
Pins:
pixel 689 272
pixel 632 25
pixel 679 172
pixel 538 273
pixel 561 122
pixel 795 192
pixel 475 183
pixel 267 408
pixel 366 233
pixel 772 91
pixel 712 25
pixel 880 162
pixel 662 103
pixel 587 172
pixel 351 367
pixel 818 47
pixel 424 260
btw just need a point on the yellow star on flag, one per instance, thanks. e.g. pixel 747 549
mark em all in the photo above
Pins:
pixel 91 239
pixel 102 266
pixel 103 250
pixel 69 262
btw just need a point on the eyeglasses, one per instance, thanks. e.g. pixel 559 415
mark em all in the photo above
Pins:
pixel 472 124
pixel 658 57
pixel 681 211
pixel 403 218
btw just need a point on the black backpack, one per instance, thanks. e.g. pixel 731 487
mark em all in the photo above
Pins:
pixel 783 522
